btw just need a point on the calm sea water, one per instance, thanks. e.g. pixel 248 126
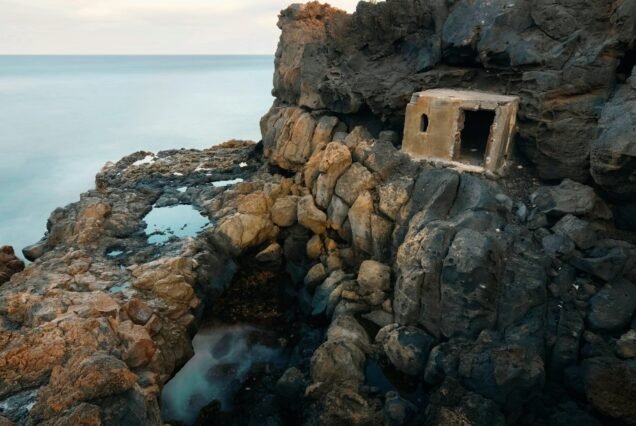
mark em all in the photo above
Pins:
pixel 63 117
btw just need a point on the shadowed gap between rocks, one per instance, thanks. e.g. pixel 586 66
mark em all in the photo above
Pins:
pixel 625 66
pixel 249 335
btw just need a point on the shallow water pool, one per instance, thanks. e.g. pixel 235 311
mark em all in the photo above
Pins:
pixel 180 221
pixel 223 358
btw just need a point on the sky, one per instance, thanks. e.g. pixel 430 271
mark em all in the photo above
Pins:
pixel 142 26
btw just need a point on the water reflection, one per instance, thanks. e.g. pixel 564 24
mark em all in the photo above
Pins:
pixel 180 221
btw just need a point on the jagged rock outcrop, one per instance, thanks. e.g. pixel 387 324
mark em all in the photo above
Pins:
pixel 428 295
pixel 613 154
pixel 563 59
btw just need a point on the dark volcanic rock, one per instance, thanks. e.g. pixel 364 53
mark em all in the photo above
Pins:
pixel 613 306
pixel 610 385
pixel 407 348
pixel 410 293
pixel 613 155
pixel 560 58
pixel 453 404
pixel 570 198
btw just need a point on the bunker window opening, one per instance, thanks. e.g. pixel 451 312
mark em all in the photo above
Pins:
pixel 424 123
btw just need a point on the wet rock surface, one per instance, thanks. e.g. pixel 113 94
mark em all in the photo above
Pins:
pixel 391 291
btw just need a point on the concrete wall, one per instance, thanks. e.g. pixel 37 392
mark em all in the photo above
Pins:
pixel 444 108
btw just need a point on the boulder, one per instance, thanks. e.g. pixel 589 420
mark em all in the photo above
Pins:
pixel 570 197
pixel 346 327
pixel 452 404
pixel 613 306
pixel 605 262
pixel 345 406
pixel 432 197
pixel 9 264
pixel 272 254
pixel 501 371
pixel 138 311
pixel 335 160
pixel 255 203
pixel 381 231
pixel 475 194
pixel 170 279
pixel 338 363
pixel 287 136
pixel 315 247
pixel 35 251
pixel 579 231
pixel 240 232
pixel 374 276
pixel 394 194
pixel 397 410
pixel 310 216
pixel 565 352
pixel 138 345
pixel 83 379
pixel 283 212
pixel 360 218
pixel 291 386
pixel 315 276
pixel 557 245
pixel 381 318
pixel 374 279
pixel 327 294
pixel 610 385
pixel 406 347
pixel 469 285
pixel 384 159
pixel 417 289
pixel 626 345
pixel 613 152
pixel 353 182
pixel 337 213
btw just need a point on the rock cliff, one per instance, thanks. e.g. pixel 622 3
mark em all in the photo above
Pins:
pixel 416 294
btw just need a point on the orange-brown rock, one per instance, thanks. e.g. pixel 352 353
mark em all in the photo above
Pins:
pixel 83 378
pixel 9 264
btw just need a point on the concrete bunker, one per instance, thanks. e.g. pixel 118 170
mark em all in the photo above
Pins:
pixel 472 128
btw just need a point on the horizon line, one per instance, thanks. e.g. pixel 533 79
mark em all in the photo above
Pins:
pixel 137 54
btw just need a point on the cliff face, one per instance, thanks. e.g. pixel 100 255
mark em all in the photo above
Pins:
pixel 564 59
pixel 416 294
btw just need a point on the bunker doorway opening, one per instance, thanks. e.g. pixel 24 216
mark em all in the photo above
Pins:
pixel 475 136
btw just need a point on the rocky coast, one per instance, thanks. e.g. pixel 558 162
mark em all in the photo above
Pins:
pixel 386 291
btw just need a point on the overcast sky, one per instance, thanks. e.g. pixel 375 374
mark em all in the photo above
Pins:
pixel 142 26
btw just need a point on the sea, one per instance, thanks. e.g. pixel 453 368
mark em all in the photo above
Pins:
pixel 63 117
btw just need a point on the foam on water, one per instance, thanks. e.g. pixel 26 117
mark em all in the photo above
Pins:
pixel 223 357
pixel 224 183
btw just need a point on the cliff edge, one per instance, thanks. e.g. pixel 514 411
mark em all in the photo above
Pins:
pixel 399 291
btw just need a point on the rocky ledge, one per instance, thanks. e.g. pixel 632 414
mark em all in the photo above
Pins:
pixel 401 292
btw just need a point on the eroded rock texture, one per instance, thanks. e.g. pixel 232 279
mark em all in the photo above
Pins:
pixel 562 58
pixel 428 295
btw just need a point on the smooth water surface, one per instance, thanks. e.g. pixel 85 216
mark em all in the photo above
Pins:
pixel 223 358
pixel 180 221
pixel 63 117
